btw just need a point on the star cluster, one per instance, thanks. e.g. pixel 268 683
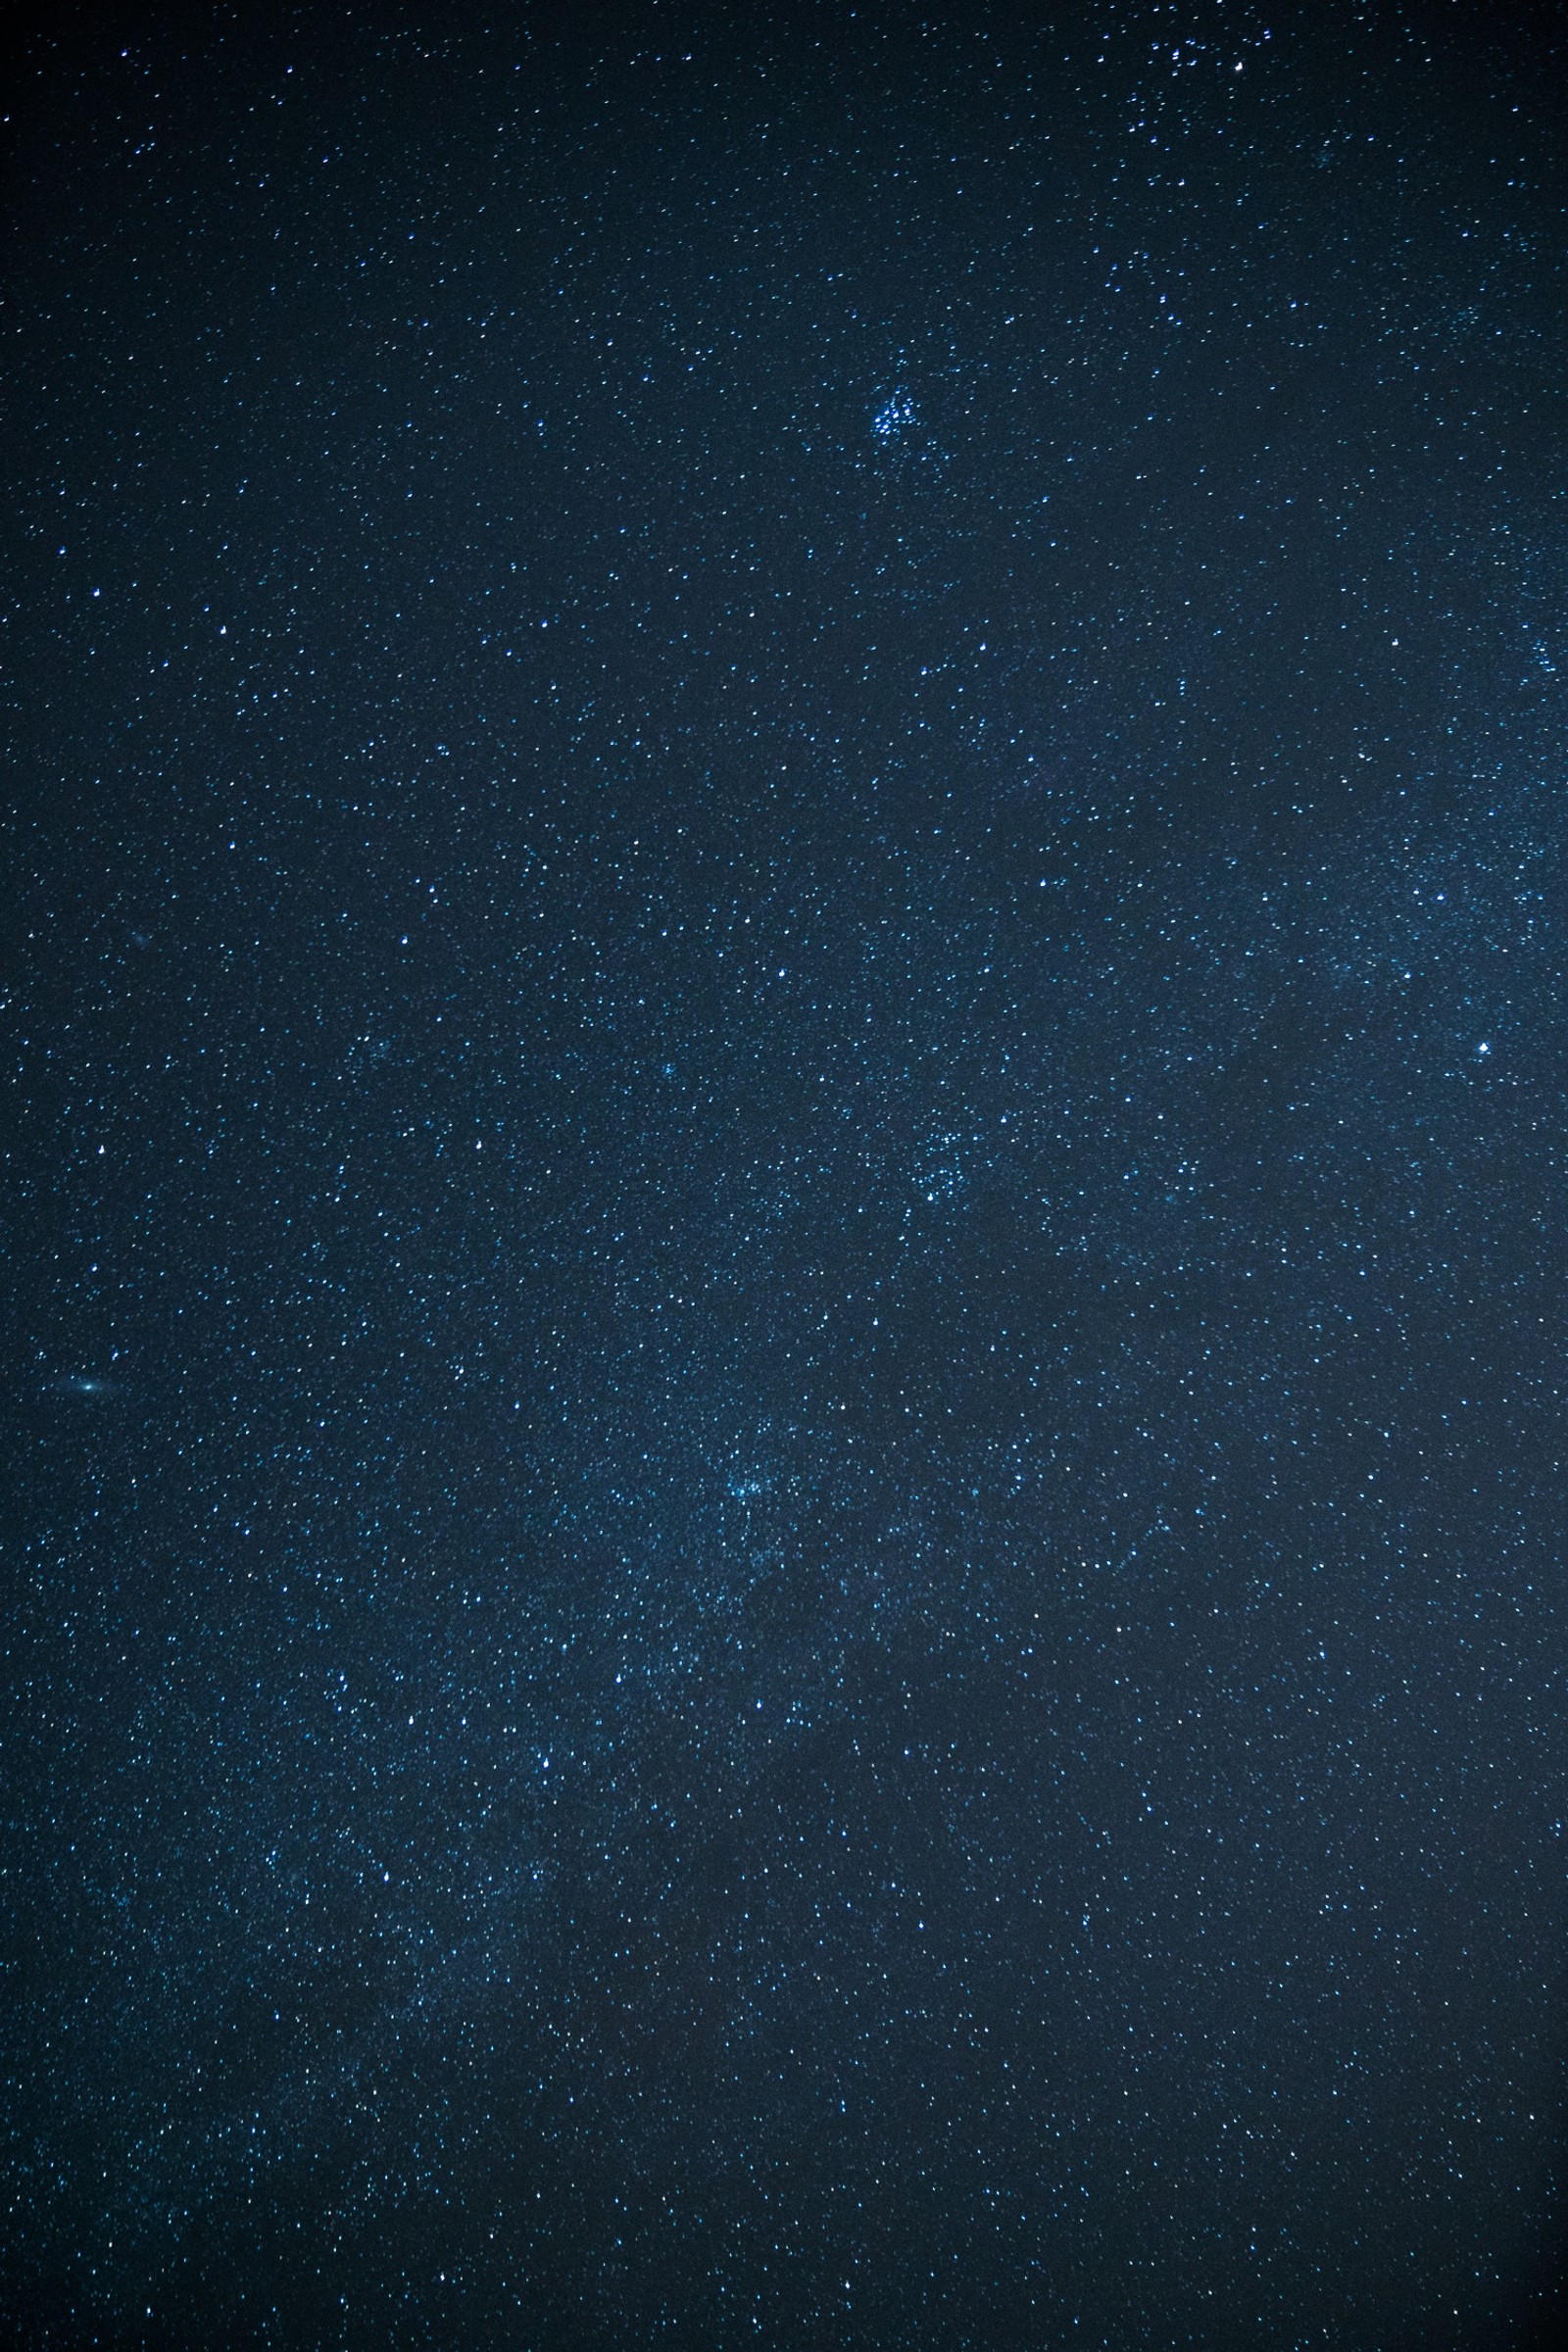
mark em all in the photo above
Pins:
pixel 788 1056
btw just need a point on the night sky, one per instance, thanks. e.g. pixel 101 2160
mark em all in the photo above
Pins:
pixel 787 1138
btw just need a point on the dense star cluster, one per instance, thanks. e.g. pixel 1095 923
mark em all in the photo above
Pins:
pixel 787 1064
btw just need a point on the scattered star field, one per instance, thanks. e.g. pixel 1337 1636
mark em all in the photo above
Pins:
pixel 787 1044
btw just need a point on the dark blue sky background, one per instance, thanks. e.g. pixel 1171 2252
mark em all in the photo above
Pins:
pixel 785 1002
